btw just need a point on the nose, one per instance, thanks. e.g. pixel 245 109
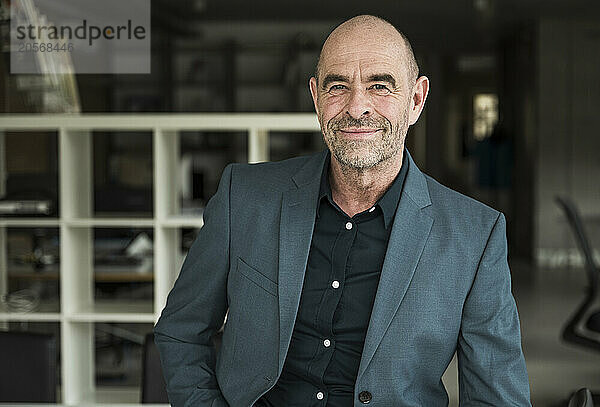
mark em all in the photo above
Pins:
pixel 359 103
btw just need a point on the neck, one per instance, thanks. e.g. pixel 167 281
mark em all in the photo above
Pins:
pixel 357 189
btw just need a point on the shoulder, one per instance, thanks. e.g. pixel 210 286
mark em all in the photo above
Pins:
pixel 459 211
pixel 271 174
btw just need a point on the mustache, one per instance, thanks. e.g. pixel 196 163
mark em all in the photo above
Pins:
pixel 347 121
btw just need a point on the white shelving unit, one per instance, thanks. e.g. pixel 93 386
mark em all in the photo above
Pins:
pixel 77 311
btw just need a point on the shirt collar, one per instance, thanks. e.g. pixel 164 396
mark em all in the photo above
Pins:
pixel 388 202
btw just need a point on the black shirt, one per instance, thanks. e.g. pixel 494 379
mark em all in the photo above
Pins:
pixel 344 264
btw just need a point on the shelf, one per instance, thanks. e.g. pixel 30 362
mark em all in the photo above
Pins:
pixel 199 83
pixel 112 394
pixel 99 276
pixel 110 222
pixel 78 222
pixel 34 275
pixel 123 277
pixel 47 311
pixel 182 222
pixel 116 311
pixel 30 222
pixel 82 284
pixel 175 122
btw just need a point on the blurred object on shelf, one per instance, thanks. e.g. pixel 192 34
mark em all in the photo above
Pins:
pixel 30 195
pixel 25 300
pixel 25 207
pixel 124 255
pixel 118 352
pixel 35 249
pixel 140 246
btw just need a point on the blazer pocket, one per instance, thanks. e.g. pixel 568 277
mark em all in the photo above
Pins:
pixel 256 277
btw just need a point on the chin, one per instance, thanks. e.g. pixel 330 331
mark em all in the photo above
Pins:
pixel 358 162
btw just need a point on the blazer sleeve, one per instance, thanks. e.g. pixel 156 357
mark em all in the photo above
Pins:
pixel 491 365
pixel 196 308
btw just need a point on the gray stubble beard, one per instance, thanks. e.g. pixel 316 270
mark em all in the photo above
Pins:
pixel 378 150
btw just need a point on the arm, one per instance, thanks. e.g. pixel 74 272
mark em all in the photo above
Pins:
pixel 196 308
pixel 491 364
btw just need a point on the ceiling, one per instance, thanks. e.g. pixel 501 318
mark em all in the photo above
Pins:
pixel 445 24
pixel 338 9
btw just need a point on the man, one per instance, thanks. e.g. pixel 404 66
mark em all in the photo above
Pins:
pixel 349 276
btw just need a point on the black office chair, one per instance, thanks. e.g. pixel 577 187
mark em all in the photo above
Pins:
pixel 154 389
pixel 583 328
pixel 581 398
pixel 28 373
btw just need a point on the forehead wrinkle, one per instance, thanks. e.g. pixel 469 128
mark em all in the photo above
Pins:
pixel 363 56
pixel 363 64
pixel 362 46
pixel 364 69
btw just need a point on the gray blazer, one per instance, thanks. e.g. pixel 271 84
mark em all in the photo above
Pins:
pixel 444 288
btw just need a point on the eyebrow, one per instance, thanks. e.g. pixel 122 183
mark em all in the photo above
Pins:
pixel 380 77
pixel 383 77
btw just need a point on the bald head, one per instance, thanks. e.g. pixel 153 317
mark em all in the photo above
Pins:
pixel 365 30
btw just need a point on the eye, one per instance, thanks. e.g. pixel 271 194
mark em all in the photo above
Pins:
pixel 380 89
pixel 337 89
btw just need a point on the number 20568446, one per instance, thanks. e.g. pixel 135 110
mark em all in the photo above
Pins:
pixel 45 47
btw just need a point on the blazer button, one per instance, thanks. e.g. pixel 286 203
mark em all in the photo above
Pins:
pixel 365 397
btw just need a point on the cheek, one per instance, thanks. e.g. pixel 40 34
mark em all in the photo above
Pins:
pixel 332 106
pixel 391 109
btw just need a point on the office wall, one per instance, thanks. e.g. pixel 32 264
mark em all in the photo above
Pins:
pixel 568 145
pixel 517 97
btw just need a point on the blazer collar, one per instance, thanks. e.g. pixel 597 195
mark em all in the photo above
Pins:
pixel 416 184
pixel 310 173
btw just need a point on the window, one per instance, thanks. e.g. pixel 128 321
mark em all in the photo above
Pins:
pixel 485 114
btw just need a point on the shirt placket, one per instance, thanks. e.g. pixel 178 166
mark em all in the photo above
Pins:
pixel 331 299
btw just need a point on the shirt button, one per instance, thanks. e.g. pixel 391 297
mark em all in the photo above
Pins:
pixel 372 209
pixel 320 395
pixel 349 225
pixel 335 284
pixel 326 343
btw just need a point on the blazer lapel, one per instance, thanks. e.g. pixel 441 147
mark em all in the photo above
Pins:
pixel 410 230
pixel 298 211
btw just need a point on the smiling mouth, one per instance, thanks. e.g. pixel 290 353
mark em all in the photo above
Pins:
pixel 359 133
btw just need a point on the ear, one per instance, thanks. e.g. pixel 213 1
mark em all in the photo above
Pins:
pixel 312 84
pixel 417 102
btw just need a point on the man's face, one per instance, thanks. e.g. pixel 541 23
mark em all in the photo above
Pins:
pixel 362 98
